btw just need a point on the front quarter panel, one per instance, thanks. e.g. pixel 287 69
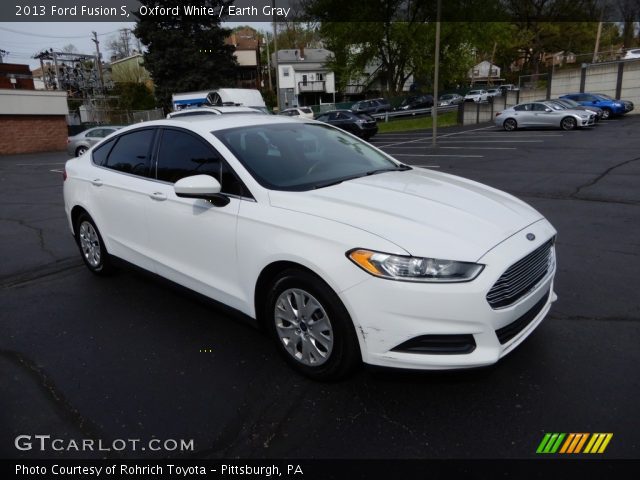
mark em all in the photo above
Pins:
pixel 268 234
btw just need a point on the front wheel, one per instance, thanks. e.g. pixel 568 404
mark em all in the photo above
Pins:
pixel 92 249
pixel 568 123
pixel 80 150
pixel 606 113
pixel 311 326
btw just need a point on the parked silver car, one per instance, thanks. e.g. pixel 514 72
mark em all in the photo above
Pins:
pixel 80 143
pixel 450 99
pixel 543 114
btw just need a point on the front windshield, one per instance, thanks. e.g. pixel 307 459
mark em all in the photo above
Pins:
pixel 302 156
pixel 603 95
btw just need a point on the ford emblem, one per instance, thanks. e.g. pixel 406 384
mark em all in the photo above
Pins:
pixel 531 237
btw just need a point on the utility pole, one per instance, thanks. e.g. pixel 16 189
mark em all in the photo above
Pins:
pixel 98 60
pixel 275 49
pixel 436 72
pixel 55 65
pixel 124 35
pixel 599 32
pixel 269 63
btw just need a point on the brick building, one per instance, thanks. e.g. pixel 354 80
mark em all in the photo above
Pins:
pixel 30 120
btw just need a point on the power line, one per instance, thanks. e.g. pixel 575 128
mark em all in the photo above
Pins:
pixel 31 34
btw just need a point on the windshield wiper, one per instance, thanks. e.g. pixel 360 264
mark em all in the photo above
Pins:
pixel 328 184
pixel 397 168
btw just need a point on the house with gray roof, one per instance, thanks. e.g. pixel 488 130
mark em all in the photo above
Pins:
pixel 304 77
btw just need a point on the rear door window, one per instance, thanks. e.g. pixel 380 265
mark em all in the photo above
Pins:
pixel 132 153
pixel 100 153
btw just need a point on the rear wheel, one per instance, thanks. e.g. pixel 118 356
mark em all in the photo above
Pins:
pixel 568 123
pixel 311 326
pixel 510 124
pixel 92 249
pixel 606 113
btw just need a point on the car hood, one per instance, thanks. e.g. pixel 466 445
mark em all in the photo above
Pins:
pixel 426 213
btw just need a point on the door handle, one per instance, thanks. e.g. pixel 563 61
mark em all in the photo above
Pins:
pixel 96 182
pixel 158 196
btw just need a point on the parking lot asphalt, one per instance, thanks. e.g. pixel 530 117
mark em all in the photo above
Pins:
pixel 132 357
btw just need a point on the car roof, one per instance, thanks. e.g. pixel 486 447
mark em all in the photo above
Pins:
pixel 213 110
pixel 204 124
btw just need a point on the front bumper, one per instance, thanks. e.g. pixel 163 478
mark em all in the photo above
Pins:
pixel 389 313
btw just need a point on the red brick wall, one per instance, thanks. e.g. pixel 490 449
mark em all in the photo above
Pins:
pixel 32 133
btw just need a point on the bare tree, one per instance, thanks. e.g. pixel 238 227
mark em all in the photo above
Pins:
pixel 69 48
pixel 629 12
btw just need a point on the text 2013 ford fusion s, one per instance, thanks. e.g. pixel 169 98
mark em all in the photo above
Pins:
pixel 342 253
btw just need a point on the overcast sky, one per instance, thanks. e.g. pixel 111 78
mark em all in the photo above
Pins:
pixel 23 39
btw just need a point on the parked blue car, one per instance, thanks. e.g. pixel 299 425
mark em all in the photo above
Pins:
pixel 610 106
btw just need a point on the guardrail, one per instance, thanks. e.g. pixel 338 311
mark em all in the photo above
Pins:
pixel 413 113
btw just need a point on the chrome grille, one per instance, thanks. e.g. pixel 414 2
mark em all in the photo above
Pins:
pixel 521 277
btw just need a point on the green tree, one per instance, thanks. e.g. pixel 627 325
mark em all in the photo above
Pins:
pixel 133 96
pixel 397 38
pixel 185 53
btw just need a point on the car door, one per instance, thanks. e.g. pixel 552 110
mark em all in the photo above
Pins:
pixel 524 115
pixel 94 135
pixel 193 241
pixel 543 117
pixel 120 190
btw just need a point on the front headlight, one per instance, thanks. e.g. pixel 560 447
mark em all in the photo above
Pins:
pixel 414 269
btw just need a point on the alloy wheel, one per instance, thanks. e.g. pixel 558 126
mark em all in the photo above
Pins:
pixel 90 244
pixel 303 327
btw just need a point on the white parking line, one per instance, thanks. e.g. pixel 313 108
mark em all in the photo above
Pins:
pixel 435 155
pixel 57 171
pixel 44 163
pixel 439 136
pixel 462 148
pixel 522 134
pixel 493 141
pixel 426 166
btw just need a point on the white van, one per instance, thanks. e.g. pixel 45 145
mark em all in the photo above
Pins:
pixel 221 97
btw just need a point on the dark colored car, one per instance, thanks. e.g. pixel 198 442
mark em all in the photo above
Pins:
pixel 360 124
pixel 377 105
pixel 416 102
pixel 609 106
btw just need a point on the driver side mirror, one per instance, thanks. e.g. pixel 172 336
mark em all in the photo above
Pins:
pixel 201 186
pixel 547 110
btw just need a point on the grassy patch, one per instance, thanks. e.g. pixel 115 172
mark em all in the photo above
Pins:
pixel 423 123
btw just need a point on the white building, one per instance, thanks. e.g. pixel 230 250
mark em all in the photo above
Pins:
pixel 304 78
pixel 485 72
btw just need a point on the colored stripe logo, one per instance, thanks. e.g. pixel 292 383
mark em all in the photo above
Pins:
pixel 574 443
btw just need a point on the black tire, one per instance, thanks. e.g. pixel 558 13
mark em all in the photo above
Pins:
pixel 606 113
pixel 344 355
pixel 568 123
pixel 95 255
pixel 510 124
pixel 80 150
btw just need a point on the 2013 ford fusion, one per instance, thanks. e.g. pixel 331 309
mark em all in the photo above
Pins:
pixel 342 253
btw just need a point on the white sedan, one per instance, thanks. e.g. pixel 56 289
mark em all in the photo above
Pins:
pixel 342 253
pixel 476 96
pixel 300 112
